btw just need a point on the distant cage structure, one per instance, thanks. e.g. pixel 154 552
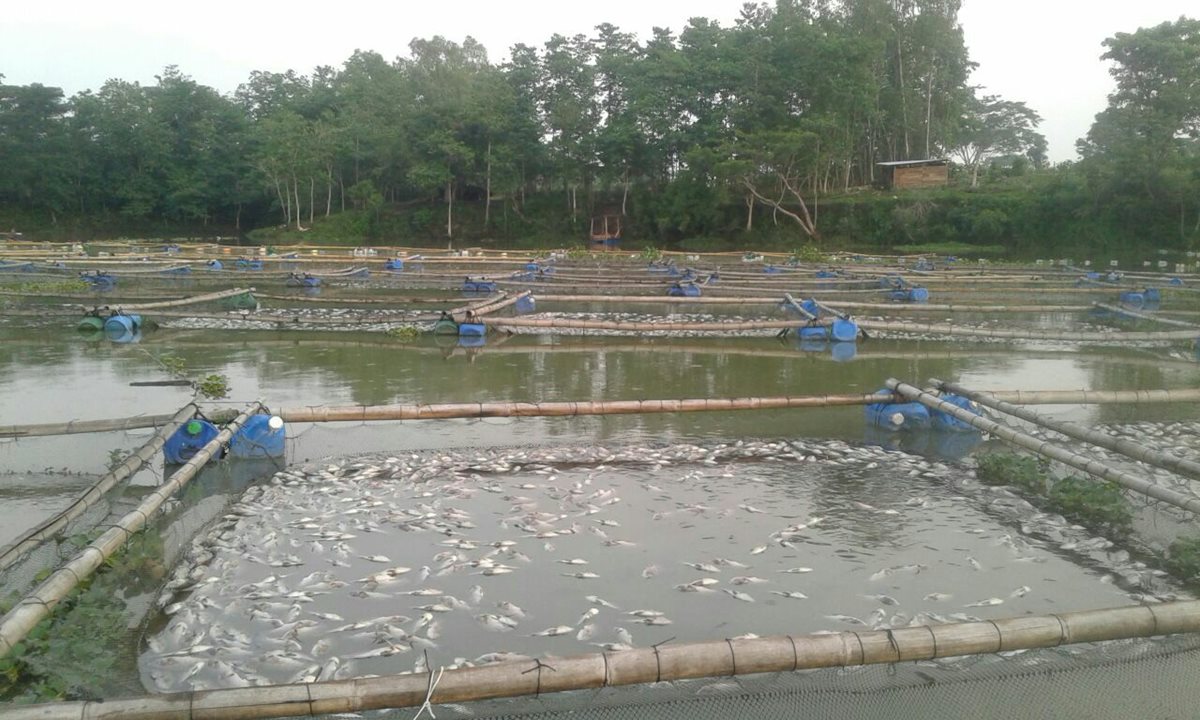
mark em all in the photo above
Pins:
pixel 905 174
pixel 606 233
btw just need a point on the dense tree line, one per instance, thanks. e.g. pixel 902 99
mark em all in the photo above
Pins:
pixel 792 105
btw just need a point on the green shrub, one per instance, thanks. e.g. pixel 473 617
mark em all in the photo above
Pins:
pixel 1021 471
pixel 405 333
pixel 1096 505
pixel 1183 559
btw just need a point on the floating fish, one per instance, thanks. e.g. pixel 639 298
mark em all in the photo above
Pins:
pixel 554 631
pixel 790 594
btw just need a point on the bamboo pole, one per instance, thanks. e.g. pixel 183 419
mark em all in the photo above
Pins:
pixel 500 304
pixel 194 300
pixel 661 663
pixel 952 330
pixel 33 537
pixel 35 606
pixel 1144 316
pixel 642 326
pixel 1134 450
pixel 1188 502
pixel 363 413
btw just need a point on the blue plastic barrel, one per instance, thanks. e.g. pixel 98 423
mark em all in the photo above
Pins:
pixel 843 351
pixel 1133 299
pixel 215 265
pixel 123 336
pixel 918 295
pixel 897 416
pixel 472 329
pixel 1152 295
pixel 123 323
pixel 826 274
pixel 182 270
pixel 771 270
pixel 472 341
pixel 188 440
pixel 262 436
pixel 532 267
pixel 810 306
pixel 1093 276
pixel 689 290
pixel 1175 282
pixel 946 421
pixel 525 305
pixel 845 331
pixel 813 332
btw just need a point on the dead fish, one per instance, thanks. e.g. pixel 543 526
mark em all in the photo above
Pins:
pixel 554 631
pixel 750 509
pixel 649 571
pixel 587 615
pixel 645 613
pixel 937 597
pixel 703 567
pixel 586 633
pixel 884 599
pixel 747 580
pixel 574 561
pixel 737 595
pixel 790 594
pixel 848 619
pixel 376 558
pixel 797 570
pixel 581 575
pixel 758 550
pixel 1020 592
pixel 986 603
pixel 600 601
pixel 510 609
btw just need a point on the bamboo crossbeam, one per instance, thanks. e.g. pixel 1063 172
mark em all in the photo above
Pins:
pixel 74 427
pixel 33 537
pixel 575 324
pixel 1187 502
pixel 194 300
pixel 1133 450
pixel 952 330
pixel 499 304
pixel 1144 316
pixel 37 605
pixel 363 413
pixel 662 663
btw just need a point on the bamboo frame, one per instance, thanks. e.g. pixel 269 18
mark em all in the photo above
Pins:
pixel 1190 503
pixel 643 326
pixel 666 662
pixel 194 300
pixel 951 330
pixel 13 551
pixel 1138 452
pixel 38 604
pixel 1144 316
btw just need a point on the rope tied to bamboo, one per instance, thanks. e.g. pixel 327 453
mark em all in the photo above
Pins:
pixel 433 683
pixel 538 665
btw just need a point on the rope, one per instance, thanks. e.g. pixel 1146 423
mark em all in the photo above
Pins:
pixel 433 683
pixel 538 667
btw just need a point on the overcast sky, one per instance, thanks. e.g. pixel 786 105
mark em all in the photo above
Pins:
pixel 1045 52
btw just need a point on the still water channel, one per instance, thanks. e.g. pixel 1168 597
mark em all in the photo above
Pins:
pixel 47 375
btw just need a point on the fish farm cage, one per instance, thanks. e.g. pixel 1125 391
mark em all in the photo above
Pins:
pixel 259 559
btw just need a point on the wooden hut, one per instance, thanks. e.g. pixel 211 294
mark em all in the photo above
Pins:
pixel 904 174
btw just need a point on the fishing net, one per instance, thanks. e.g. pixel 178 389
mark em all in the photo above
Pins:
pixel 1122 679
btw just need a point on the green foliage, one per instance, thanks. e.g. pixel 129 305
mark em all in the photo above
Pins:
pixel 808 254
pixel 1183 559
pixel 116 456
pixel 1021 471
pixel 213 387
pixel 650 254
pixel 1098 505
pixel 70 654
pixel 404 333
pixel 48 287
pixel 173 364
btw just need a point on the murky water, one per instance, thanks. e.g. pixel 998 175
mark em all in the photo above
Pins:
pixel 374 566
pixel 912 527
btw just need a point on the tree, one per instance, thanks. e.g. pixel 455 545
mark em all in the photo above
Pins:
pixel 995 127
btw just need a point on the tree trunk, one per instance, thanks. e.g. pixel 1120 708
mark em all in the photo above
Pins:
pixel 929 102
pixel 903 99
pixel 312 190
pixel 328 189
pixel 237 218
pixel 574 206
pixel 283 205
pixel 625 194
pixel 296 192
pixel 749 213
pixel 450 209
pixel 487 191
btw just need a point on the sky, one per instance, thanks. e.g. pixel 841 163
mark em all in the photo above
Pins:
pixel 1044 52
